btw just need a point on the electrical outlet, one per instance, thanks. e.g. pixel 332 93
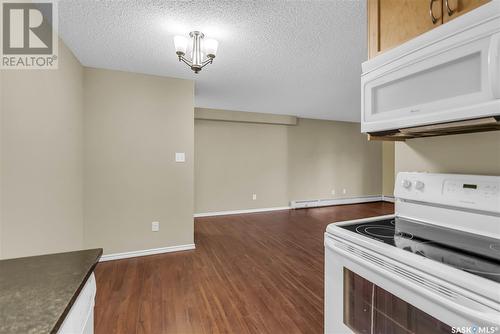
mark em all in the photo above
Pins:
pixel 254 197
pixel 344 191
pixel 155 226
pixel 333 191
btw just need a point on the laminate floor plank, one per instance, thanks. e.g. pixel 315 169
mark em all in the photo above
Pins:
pixel 250 273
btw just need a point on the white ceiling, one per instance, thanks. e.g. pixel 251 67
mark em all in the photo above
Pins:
pixel 298 58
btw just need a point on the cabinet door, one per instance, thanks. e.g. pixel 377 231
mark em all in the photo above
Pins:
pixel 455 8
pixel 393 22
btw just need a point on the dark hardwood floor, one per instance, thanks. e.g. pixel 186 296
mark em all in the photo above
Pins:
pixel 251 273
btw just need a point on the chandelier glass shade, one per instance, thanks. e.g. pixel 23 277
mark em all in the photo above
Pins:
pixel 200 48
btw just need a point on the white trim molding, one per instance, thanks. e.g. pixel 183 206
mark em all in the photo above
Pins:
pixel 303 204
pixel 386 198
pixel 237 212
pixel 144 252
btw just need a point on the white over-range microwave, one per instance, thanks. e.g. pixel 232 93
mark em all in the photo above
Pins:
pixel 449 74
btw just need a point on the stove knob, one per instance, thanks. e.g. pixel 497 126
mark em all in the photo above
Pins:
pixel 406 184
pixel 419 185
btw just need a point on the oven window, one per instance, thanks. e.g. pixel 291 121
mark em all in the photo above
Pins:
pixel 370 309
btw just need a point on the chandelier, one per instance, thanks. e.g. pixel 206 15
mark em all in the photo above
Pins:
pixel 200 47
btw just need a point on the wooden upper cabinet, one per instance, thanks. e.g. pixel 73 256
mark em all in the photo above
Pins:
pixel 393 22
pixel 455 8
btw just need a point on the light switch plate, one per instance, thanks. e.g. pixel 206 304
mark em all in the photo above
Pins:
pixel 155 226
pixel 180 157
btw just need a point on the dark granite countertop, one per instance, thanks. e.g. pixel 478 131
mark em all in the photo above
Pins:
pixel 37 292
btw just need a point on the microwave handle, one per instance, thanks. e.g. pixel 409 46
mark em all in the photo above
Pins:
pixel 494 65
pixel 479 316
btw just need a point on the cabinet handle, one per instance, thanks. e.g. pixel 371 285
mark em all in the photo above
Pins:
pixel 450 11
pixel 433 18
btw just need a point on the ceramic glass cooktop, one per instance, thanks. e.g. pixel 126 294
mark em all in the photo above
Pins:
pixel 472 253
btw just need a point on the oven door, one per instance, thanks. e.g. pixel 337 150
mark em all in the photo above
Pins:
pixel 366 292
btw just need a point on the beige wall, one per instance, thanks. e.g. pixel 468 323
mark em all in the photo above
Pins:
pixel 1 148
pixel 474 153
pixel 327 155
pixel 280 163
pixel 235 160
pixel 127 126
pixel 41 165
pixel 388 175
pixel 134 124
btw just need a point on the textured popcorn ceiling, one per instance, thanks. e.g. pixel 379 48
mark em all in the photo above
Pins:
pixel 299 58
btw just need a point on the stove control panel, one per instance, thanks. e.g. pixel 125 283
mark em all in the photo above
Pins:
pixel 406 184
pixel 467 191
pixel 419 185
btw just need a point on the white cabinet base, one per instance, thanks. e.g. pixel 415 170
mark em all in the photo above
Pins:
pixel 80 318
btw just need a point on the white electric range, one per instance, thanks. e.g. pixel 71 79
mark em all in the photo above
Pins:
pixel 433 267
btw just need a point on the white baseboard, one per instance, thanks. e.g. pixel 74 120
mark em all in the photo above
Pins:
pixel 126 255
pixel 302 204
pixel 237 212
pixel 388 198
pixel 336 201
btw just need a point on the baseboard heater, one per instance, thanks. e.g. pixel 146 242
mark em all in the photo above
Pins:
pixel 301 204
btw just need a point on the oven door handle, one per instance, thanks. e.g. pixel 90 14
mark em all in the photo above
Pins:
pixel 472 311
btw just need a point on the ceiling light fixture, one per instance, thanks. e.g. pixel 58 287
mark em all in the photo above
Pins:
pixel 200 47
